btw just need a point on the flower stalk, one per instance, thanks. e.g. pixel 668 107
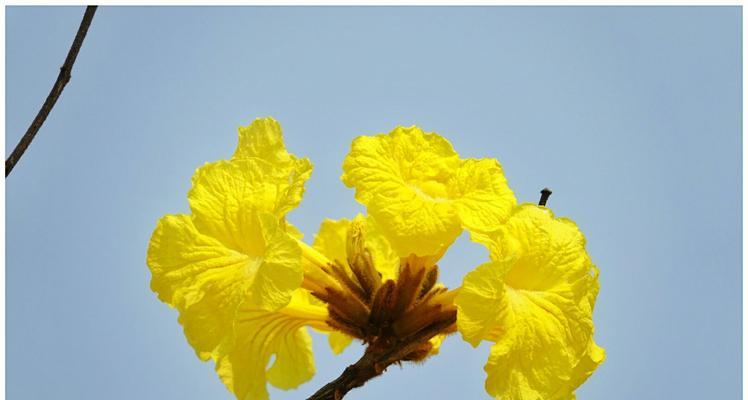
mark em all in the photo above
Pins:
pixel 377 358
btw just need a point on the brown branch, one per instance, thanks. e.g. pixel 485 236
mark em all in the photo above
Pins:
pixel 354 376
pixel 62 79
pixel 376 359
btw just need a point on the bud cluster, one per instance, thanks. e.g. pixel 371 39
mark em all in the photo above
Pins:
pixel 404 313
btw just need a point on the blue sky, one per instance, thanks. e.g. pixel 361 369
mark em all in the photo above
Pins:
pixel 631 115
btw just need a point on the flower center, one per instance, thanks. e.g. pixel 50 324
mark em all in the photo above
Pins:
pixel 410 309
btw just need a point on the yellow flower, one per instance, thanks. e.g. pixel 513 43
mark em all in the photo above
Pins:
pixel 534 300
pixel 421 193
pixel 232 268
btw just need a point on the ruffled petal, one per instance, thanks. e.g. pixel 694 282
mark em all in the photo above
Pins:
pixel 262 334
pixel 183 261
pixel 223 191
pixel 481 194
pixel 402 178
pixel 594 356
pixel 298 172
pixel 263 140
pixel 415 225
pixel 479 301
pixel 541 339
pixel 405 157
pixel 541 288
pixel 207 282
pixel 280 273
pixel 201 278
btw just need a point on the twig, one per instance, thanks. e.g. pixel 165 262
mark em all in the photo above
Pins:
pixel 62 79
pixel 544 195
pixel 376 359
pixel 354 376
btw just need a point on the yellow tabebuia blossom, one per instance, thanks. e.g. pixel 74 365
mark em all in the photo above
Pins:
pixel 534 300
pixel 421 193
pixel 234 265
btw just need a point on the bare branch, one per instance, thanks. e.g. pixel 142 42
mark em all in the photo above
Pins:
pixel 62 79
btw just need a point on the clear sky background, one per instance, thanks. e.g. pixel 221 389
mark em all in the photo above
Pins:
pixel 631 115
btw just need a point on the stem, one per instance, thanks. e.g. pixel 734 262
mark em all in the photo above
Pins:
pixel 62 79
pixel 544 195
pixel 376 359
pixel 354 376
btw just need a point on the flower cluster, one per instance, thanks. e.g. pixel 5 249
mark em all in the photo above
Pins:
pixel 247 287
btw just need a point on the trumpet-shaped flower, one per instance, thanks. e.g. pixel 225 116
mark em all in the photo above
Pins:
pixel 421 193
pixel 534 300
pixel 233 261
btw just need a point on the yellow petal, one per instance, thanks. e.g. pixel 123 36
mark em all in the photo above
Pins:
pixel 280 273
pixel 194 272
pixel 331 242
pixel 330 239
pixel 386 259
pixel 416 187
pixel 222 192
pixel 594 356
pixel 292 189
pixel 292 230
pixel 402 178
pixel 263 140
pixel 541 287
pixel 487 239
pixel 479 301
pixel 405 157
pixel 179 255
pixel 207 281
pixel 262 334
pixel 481 194
pixel 436 342
pixel 414 225
pixel 339 341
